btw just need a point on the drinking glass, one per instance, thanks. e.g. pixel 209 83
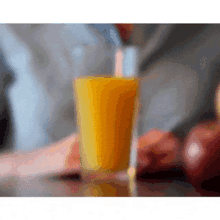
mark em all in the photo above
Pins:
pixel 107 110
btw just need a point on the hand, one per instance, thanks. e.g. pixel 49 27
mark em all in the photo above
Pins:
pixel 46 160
pixel 158 151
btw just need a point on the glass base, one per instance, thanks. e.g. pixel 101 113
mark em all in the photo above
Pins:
pixel 108 184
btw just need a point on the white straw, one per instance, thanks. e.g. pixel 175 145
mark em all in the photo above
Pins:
pixel 118 63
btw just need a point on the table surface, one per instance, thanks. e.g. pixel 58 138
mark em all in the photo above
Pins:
pixel 70 184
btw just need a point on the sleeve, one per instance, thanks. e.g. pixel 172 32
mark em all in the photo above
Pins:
pixel 205 109
pixel 6 126
pixel 187 56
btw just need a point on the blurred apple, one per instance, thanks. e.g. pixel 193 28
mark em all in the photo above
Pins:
pixel 201 156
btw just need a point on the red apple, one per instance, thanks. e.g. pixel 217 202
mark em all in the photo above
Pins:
pixel 201 156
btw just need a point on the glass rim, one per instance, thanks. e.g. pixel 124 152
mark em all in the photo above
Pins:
pixel 108 77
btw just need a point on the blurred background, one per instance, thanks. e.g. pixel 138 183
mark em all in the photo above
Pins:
pixel 41 61
pixel 179 65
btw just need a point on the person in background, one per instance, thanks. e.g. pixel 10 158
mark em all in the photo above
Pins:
pixel 6 126
pixel 179 65
pixel 179 94
pixel 44 58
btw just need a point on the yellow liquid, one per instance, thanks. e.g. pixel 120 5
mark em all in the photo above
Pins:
pixel 105 108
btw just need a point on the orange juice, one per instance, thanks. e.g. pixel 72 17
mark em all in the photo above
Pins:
pixel 105 112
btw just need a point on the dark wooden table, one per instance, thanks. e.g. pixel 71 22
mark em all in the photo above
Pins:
pixel 70 184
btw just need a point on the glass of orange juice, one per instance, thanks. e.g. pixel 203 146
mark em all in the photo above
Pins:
pixel 106 118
